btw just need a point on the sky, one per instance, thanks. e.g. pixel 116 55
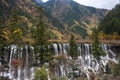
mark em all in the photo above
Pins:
pixel 106 4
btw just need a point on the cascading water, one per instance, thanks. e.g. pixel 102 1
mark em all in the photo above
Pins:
pixel 60 46
pixel 65 48
pixel 19 68
pixel 86 61
pixel 26 64
pixel 56 49
pixel 12 50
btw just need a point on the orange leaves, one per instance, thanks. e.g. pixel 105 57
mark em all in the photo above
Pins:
pixel 16 62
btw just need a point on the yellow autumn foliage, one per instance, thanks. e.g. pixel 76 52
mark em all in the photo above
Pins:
pixel 17 31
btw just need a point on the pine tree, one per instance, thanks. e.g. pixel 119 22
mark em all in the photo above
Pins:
pixel 73 48
pixel 117 69
pixel 41 74
pixel 96 46
pixel 2 38
pixel 42 51
pixel 108 69
pixel 15 28
pixel 74 55
pixel 3 53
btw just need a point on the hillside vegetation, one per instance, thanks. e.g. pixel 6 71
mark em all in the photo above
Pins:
pixel 61 17
pixel 110 25
pixel 69 16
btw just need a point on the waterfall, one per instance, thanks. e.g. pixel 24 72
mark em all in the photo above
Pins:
pixel 87 56
pixel 85 60
pixel 12 50
pixel 109 52
pixel 48 74
pixel 56 49
pixel 19 67
pixel 26 64
pixel 32 71
pixel 60 46
pixel 23 70
pixel 65 48
pixel 62 70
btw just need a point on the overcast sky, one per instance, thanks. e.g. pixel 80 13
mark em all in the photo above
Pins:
pixel 106 4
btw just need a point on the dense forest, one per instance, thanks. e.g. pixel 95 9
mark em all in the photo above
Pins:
pixel 110 25
pixel 62 17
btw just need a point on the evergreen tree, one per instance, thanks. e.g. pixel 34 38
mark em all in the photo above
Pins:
pixel 111 21
pixel 3 53
pixel 15 28
pixel 74 55
pixel 96 46
pixel 42 51
pixel 41 74
pixel 108 69
pixel 117 69
pixel 2 38
pixel 73 48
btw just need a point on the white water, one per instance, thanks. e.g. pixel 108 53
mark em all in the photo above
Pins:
pixel 60 46
pixel 85 60
pixel 56 49
pixel 23 68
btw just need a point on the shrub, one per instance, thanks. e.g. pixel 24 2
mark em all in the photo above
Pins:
pixel 41 74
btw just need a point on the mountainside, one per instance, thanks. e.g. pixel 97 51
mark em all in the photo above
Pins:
pixel 38 1
pixel 111 22
pixel 62 17
pixel 26 12
pixel 5 8
pixel 73 16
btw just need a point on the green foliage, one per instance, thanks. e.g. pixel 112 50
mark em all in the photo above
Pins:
pixel 111 22
pixel 74 73
pixel 4 78
pixel 63 16
pixel 96 47
pixel 3 60
pixel 74 55
pixel 117 69
pixel 79 30
pixel 54 78
pixel 55 22
pixel 73 48
pixel 57 16
pixel 42 52
pixel 41 74
pixel 15 28
pixel 2 35
pixel 63 78
pixel 3 44
pixel 108 69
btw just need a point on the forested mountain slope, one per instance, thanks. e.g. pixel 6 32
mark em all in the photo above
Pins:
pixel 62 17
pixel 74 17
pixel 111 23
